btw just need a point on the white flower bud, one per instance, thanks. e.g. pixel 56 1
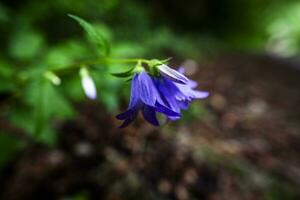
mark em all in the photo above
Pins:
pixel 88 84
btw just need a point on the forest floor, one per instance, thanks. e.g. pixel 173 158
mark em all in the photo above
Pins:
pixel 244 147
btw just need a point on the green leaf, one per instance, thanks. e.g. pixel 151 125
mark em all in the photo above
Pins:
pixel 45 106
pixel 93 35
pixel 110 100
pixel 65 54
pixel 26 44
pixel 128 49
pixel 40 115
pixel 6 76
pixel 125 74
pixel 4 14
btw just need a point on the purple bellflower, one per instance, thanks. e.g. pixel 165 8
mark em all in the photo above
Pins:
pixel 178 95
pixel 145 97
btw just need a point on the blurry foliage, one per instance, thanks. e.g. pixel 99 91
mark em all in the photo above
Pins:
pixel 25 44
pixel 79 196
pixel 196 111
pixel 235 25
pixel 284 31
pixel 280 190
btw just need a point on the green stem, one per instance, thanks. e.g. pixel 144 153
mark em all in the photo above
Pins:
pixel 117 60
pixel 103 61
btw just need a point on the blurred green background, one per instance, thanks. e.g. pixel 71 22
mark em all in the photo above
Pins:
pixel 38 36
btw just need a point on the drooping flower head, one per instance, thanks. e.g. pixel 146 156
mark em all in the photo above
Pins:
pixel 145 97
pixel 161 89
pixel 177 95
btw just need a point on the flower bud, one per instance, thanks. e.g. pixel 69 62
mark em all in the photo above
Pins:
pixel 88 84
pixel 53 78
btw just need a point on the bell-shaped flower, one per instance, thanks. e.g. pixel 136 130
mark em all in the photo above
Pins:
pixel 144 97
pixel 177 96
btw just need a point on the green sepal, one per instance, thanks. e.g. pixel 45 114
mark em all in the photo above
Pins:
pixel 125 74
pixel 93 35
pixel 166 60
pixel 128 80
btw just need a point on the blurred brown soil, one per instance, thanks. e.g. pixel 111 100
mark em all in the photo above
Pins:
pixel 245 147
pixel 255 104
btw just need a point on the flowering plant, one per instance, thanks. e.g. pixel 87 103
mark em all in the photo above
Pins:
pixel 155 87
pixel 41 92
pixel 159 89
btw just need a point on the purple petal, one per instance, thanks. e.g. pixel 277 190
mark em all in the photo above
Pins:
pixel 134 92
pixel 183 104
pixel 147 90
pixel 149 115
pixel 162 109
pixel 128 116
pixel 200 94
pixel 124 115
pixel 168 90
pixel 173 118
pixel 181 70
pixel 189 93
pixel 192 84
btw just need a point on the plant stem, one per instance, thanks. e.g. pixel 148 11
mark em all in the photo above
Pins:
pixel 116 60
pixel 102 61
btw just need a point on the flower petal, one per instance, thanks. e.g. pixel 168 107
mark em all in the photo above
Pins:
pixel 173 118
pixel 162 109
pixel 147 90
pixel 192 84
pixel 128 116
pixel 172 74
pixel 183 105
pixel 188 93
pixel 181 70
pixel 124 115
pixel 200 94
pixel 149 115
pixel 168 90
pixel 134 92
